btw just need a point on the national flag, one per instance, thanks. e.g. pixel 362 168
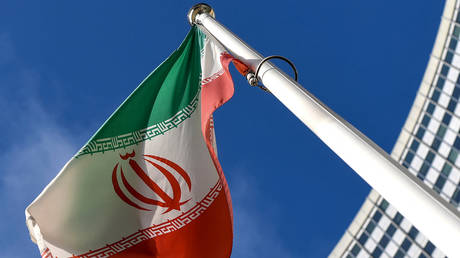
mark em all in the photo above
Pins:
pixel 148 183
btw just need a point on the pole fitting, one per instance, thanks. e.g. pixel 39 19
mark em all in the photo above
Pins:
pixel 199 9
pixel 253 78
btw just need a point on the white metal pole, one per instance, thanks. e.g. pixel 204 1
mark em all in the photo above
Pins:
pixel 433 216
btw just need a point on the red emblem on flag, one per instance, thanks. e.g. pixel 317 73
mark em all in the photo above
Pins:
pixel 171 203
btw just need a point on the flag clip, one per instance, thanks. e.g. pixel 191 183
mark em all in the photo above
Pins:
pixel 253 78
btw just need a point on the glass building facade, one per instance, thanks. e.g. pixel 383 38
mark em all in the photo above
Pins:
pixel 429 146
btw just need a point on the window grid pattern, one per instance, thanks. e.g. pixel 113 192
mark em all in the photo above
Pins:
pixel 432 154
pixel 388 234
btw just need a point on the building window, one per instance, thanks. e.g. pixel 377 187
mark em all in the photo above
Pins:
pixel 457 143
pixel 441 131
pixel 429 157
pixel 452 156
pixel 377 252
pixel 413 232
pixel 453 44
pixel 406 244
pixel 446 119
pixel 370 227
pixel 449 57
pixel 420 133
pixel 409 157
pixel 456 32
pixel 456 92
pixel 414 145
pixel 384 241
pixel 377 216
pixel 362 240
pixel 439 184
pixel 399 254
pixel 398 218
pixel 423 171
pixel 435 95
pixel 446 169
pixel 440 83
pixel 384 205
pixel 455 197
pixel 430 108
pixel 391 230
pixel 435 144
pixel 452 105
pixel 444 71
pixel 429 247
pixel 355 250
pixel 406 165
pixel 426 120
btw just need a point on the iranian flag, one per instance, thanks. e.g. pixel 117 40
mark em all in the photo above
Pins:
pixel 148 183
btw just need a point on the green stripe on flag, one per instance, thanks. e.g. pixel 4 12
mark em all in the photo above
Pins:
pixel 169 91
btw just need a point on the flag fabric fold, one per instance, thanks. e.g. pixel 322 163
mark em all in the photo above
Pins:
pixel 148 183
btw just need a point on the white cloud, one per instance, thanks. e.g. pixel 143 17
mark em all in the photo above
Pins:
pixel 31 157
pixel 34 148
pixel 256 234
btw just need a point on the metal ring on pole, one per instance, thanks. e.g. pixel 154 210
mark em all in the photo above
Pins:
pixel 253 78
pixel 280 57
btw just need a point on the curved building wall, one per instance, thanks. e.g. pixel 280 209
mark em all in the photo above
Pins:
pixel 429 146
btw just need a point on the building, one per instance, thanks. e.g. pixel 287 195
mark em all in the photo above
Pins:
pixel 428 146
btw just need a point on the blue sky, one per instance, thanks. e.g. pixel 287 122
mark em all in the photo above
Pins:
pixel 65 66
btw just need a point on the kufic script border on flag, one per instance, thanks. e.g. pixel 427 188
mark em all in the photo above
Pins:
pixel 132 138
pixel 153 231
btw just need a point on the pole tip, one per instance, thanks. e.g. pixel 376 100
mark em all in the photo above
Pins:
pixel 199 9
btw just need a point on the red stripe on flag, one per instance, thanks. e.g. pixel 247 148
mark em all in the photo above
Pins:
pixel 198 233
pixel 213 95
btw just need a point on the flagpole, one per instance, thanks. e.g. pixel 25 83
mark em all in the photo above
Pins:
pixel 432 215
